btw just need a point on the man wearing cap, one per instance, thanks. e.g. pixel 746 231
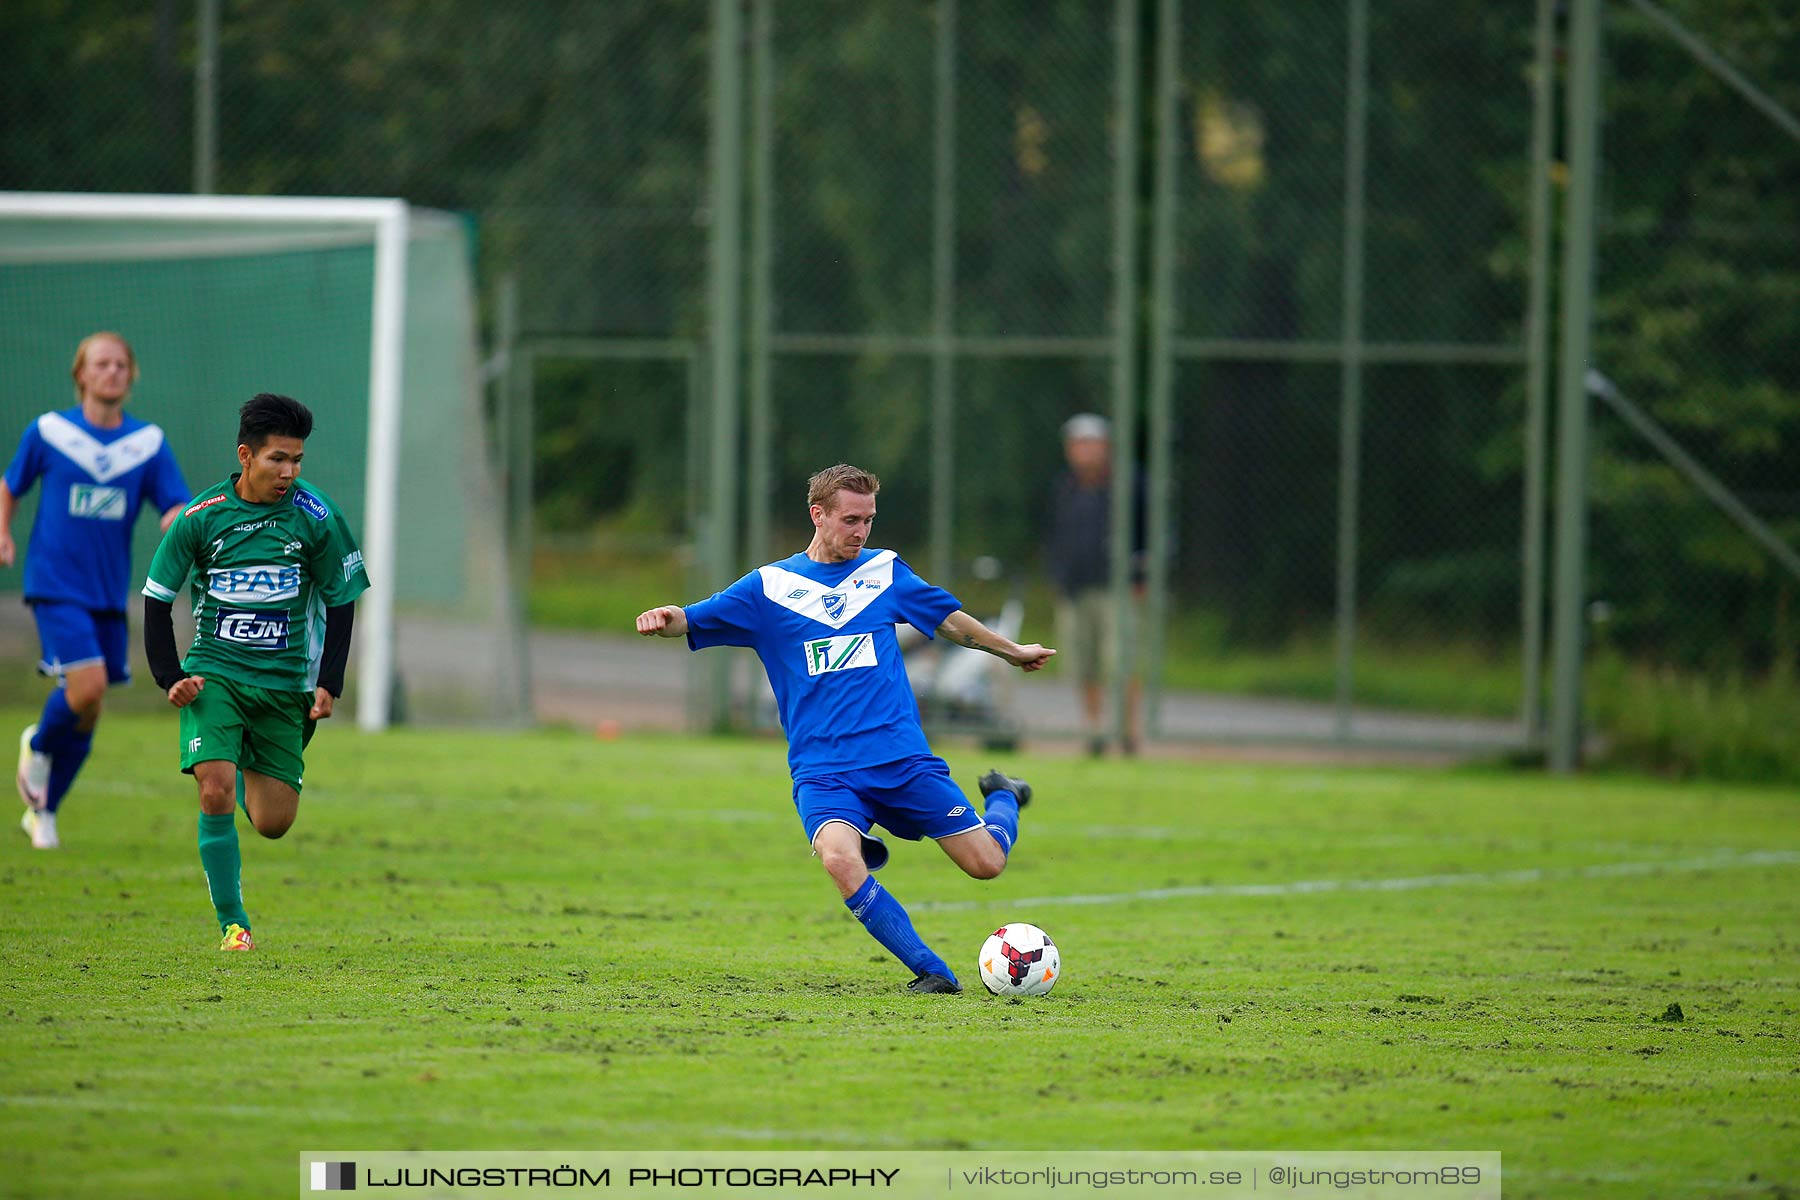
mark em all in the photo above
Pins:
pixel 1079 556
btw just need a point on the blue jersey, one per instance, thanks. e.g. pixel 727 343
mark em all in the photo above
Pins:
pixel 825 634
pixel 95 480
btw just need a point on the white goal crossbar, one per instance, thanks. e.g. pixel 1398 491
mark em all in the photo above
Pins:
pixel 388 223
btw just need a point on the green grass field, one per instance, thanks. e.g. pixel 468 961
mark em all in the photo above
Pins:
pixel 545 941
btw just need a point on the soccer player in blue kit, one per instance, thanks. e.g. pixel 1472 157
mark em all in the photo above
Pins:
pixel 99 467
pixel 823 623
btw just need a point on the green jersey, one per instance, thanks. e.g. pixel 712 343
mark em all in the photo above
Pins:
pixel 262 577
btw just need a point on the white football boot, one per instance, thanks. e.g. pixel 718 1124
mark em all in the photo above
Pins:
pixel 34 770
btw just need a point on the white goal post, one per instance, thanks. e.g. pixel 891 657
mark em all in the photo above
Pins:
pixel 387 222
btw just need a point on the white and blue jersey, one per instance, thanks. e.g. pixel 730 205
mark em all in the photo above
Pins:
pixel 825 634
pixel 95 480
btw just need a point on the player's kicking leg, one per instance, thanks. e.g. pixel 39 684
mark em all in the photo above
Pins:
pixel 982 852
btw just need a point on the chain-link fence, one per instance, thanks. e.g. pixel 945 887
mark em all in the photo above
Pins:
pixel 1349 356
pixel 1696 510
pixel 1301 254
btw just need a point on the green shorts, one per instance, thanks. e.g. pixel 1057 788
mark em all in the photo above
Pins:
pixel 257 728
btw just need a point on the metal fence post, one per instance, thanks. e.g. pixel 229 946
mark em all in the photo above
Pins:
pixel 760 431
pixel 1356 121
pixel 1159 417
pixel 1537 380
pixel 725 333
pixel 1567 599
pixel 1124 352
pixel 206 99
pixel 943 299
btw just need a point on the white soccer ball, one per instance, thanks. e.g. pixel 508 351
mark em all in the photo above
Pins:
pixel 1020 960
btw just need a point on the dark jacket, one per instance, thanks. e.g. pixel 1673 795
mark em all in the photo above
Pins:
pixel 1078 548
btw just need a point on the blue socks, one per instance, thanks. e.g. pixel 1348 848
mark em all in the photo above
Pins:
pixel 58 718
pixel 888 924
pixel 1002 817
pixel 223 865
pixel 65 764
pixel 66 745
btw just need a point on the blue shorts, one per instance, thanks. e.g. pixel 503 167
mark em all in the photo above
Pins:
pixel 73 636
pixel 913 798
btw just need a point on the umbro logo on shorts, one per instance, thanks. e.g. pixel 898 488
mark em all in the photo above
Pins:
pixel 958 811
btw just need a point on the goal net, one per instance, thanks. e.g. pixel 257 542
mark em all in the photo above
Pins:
pixel 364 311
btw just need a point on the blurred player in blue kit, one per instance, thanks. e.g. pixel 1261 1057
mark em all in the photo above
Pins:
pixel 98 467
pixel 822 622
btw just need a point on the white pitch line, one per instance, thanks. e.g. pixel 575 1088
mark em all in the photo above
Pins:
pixel 105 1104
pixel 1308 887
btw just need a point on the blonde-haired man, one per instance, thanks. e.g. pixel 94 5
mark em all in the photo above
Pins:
pixel 98 467
pixel 822 621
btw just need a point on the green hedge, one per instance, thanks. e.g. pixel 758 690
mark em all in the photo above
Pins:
pixel 1689 726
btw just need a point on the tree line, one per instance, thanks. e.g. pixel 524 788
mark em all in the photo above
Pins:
pixel 575 135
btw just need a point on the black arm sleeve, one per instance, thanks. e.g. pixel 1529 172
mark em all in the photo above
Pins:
pixel 338 621
pixel 159 643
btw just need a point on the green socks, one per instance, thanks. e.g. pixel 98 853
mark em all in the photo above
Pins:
pixel 220 860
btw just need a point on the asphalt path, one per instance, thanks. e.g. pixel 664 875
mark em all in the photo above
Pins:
pixel 624 682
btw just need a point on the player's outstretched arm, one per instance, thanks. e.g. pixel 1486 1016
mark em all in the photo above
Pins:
pixel 668 621
pixel 965 630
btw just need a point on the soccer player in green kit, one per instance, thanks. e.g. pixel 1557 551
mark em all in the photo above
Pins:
pixel 275 575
